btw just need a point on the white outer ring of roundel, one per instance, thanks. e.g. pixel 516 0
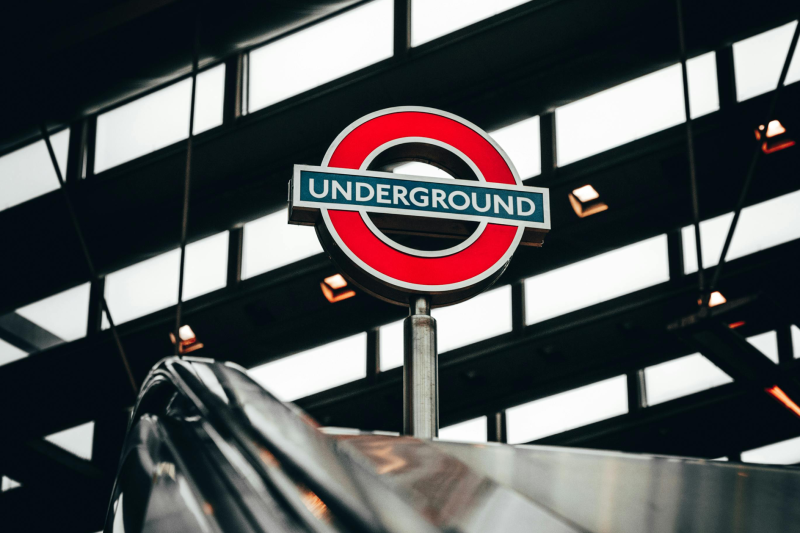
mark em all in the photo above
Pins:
pixel 393 281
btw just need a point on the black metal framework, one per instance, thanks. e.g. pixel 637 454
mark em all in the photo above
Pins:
pixel 87 256
pixel 753 162
pixel 532 340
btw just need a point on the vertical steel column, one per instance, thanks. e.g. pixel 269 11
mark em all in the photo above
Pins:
pixel 637 393
pixel 402 28
pixel 548 148
pixel 420 371
pixel 675 255
pixel 496 427
pixel 518 322
pixel 373 353
pixel 235 248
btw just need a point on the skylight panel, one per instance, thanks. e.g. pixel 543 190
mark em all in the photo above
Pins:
pixel 761 226
pixel 65 314
pixel 796 341
pixel 758 61
pixel 596 279
pixel 474 430
pixel 152 285
pixel 520 141
pixel 767 344
pixel 681 377
pixel 786 452
pixel 321 53
pixel 431 19
pixel 158 119
pixel 634 109
pixel 76 440
pixel 416 168
pixel 206 266
pixel 482 317
pixel 10 353
pixel 567 410
pixel 315 370
pixel 391 345
pixel 28 172
pixel 270 242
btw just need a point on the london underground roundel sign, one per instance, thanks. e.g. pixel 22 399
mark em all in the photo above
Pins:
pixel 360 214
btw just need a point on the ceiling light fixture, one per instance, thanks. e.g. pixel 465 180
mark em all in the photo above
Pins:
pixel 774 137
pixel 334 288
pixel 716 299
pixel 781 396
pixel 585 201
pixel 188 342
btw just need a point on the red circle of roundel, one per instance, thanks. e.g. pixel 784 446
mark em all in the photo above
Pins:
pixel 487 250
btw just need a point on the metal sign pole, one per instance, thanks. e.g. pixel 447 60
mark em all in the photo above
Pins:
pixel 421 371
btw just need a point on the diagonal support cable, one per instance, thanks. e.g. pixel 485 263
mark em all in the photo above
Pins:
pixel 187 181
pixel 690 151
pixel 754 161
pixel 92 272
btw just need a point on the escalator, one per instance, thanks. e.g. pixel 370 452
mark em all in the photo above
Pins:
pixel 209 450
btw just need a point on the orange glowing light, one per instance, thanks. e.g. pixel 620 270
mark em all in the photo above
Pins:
pixel 334 297
pixel 584 211
pixel 784 399
pixel 734 325
pixel 776 147
pixel 716 299
pixel 336 281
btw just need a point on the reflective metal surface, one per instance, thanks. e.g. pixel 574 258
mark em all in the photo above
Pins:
pixel 608 491
pixel 209 450
pixel 420 371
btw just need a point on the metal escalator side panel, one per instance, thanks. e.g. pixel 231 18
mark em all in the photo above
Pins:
pixel 446 491
pixel 631 493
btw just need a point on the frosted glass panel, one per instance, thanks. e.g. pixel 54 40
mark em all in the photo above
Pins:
pixel 758 62
pixel 766 343
pixel 761 226
pixel 634 109
pixel 271 242
pixel 796 341
pixel 6 483
pixel 433 18
pixel 321 53
pixel 597 279
pixel 315 370
pixel 28 172
pixel 65 315
pixel 470 431
pixel 77 440
pixel 520 141
pixel 158 119
pixel 143 288
pixel 209 99
pixel 482 317
pixel 415 168
pixel 681 377
pixel 786 452
pixel 567 410
pixel 392 345
pixel 152 285
pixel 10 353
pixel 206 266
